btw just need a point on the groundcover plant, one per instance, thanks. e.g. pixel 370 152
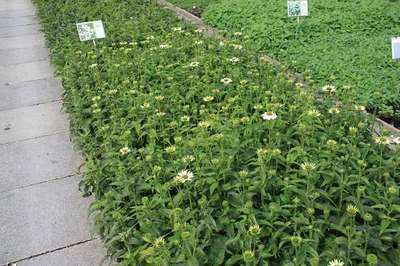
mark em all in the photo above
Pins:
pixel 346 43
pixel 199 152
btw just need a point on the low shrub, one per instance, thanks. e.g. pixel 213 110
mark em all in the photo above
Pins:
pixel 201 153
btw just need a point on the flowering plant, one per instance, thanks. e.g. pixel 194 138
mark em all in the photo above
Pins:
pixel 195 158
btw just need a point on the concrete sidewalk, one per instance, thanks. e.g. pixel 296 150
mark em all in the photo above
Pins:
pixel 43 217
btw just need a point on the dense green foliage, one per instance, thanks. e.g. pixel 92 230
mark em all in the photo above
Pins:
pixel 200 153
pixel 341 42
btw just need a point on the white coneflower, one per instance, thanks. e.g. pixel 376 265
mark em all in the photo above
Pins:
pixel 314 113
pixel 254 229
pixel 269 116
pixel 237 46
pixel 352 210
pixel 185 118
pixel 331 143
pixel 307 166
pixel 329 89
pixel 382 140
pixel 178 29
pixel 165 46
pixel 208 98
pixel 184 176
pixel 111 92
pixel 159 242
pixel 188 159
pixel 336 262
pixel 170 149
pixel 234 60
pixel 160 114
pixel 226 81
pixel 124 150
pixel 334 110
pixel 359 108
pixel 194 64
pixel 145 105
pixel 204 124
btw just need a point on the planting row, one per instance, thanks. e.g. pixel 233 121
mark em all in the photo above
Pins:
pixel 345 43
pixel 200 153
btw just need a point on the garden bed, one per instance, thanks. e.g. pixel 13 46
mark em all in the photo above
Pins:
pixel 199 152
pixel 341 43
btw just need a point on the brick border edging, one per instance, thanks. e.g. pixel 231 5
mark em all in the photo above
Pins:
pixel 212 32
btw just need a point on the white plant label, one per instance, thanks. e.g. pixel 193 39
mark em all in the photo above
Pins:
pixel 297 8
pixel 90 30
pixel 396 48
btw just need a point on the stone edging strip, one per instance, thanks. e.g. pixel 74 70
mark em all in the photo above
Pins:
pixel 212 32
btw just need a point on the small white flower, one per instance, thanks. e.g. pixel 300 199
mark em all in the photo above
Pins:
pixel 269 116
pixel 165 46
pixel 336 262
pixel 185 118
pixel 194 64
pixel 184 176
pixel 208 98
pixel 314 113
pixel 382 140
pixel 200 30
pixel 234 60
pixel 198 42
pixel 178 29
pixel 204 124
pixel 112 92
pixel 359 108
pixel 334 110
pixel 124 150
pixel 329 89
pixel 221 43
pixel 226 81
pixel 93 65
pixel 238 34
pixel 307 166
pixel 237 46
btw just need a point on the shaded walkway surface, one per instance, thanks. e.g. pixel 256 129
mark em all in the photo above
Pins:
pixel 43 217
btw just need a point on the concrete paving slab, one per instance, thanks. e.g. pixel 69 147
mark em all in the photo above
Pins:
pixel 37 160
pixel 86 254
pixel 29 93
pixel 19 30
pixel 25 72
pixel 24 41
pixel 17 21
pixel 10 5
pixel 23 55
pixel 32 122
pixel 42 218
pixel 21 12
